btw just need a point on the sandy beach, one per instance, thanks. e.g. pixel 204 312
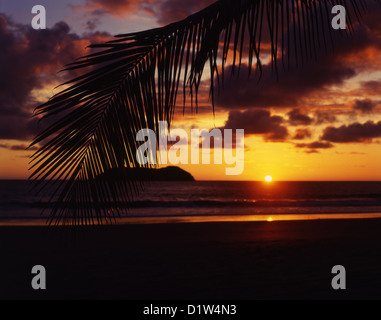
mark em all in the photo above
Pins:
pixel 240 260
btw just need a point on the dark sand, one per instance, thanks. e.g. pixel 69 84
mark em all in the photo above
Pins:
pixel 242 260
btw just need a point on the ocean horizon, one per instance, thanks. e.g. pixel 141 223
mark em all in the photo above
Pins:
pixel 206 201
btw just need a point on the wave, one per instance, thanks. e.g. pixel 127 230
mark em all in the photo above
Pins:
pixel 218 203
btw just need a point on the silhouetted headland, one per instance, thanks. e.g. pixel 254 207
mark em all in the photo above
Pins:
pixel 170 173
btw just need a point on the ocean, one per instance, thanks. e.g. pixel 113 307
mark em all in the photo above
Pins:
pixel 219 201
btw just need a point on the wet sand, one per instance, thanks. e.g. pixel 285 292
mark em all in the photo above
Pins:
pixel 224 260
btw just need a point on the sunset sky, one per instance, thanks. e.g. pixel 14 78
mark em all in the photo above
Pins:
pixel 320 122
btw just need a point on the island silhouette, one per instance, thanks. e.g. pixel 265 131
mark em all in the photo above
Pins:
pixel 170 173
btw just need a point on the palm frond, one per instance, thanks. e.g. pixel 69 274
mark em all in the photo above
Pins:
pixel 133 83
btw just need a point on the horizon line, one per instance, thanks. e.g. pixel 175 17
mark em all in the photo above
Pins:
pixel 207 180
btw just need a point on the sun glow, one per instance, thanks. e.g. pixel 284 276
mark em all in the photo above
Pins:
pixel 268 178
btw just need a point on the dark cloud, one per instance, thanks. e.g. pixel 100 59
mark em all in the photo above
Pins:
pixel 371 87
pixel 258 122
pixel 364 106
pixel 22 147
pixel 18 147
pixel 315 145
pixel 175 10
pixel 291 88
pixel 113 6
pixel 315 77
pixel 94 20
pixel 358 153
pixel 20 127
pixel 311 151
pixel 324 117
pixel 372 17
pixel 165 11
pixel 297 117
pixel 30 60
pixel 301 134
pixel 355 132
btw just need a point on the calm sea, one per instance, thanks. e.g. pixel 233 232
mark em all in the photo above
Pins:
pixel 221 199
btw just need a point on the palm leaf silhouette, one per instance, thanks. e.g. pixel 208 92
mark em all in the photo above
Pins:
pixel 133 83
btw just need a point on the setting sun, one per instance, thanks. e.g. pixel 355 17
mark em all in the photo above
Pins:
pixel 268 178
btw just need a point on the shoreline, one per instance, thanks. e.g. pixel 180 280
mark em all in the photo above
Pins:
pixel 38 222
